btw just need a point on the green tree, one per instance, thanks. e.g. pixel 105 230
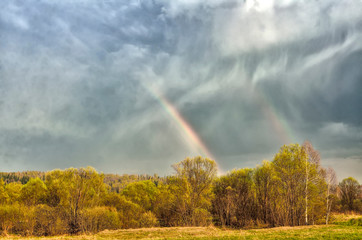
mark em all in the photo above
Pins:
pixel 194 176
pixel 349 192
pixel 166 206
pixel 264 180
pixel 74 190
pixel 289 166
pixel 234 198
pixel 33 192
pixel 57 188
pixel 143 193
pixel 4 197
pixel 129 213
pixel 13 191
pixel 301 186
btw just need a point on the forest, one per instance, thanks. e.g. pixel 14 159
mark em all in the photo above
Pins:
pixel 291 190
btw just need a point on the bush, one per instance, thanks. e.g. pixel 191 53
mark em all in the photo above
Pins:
pixel 9 216
pixel 98 219
pixel 26 224
pixel 201 217
pixel 148 219
pixel 129 213
pixel 49 221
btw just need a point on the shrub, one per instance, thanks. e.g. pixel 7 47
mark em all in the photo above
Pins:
pixel 202 217
pixel 148 219
pixel 99 218
pixel 49 221
pixel 9 216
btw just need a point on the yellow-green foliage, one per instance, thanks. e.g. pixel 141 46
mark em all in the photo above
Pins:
pixel 99 218
pixel 290 190
pixel 9 217
pixel 33 192
pixel 143 193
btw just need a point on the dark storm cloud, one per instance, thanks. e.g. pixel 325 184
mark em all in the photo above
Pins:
pixel 75 79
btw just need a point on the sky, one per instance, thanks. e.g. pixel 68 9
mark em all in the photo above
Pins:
pixel 135 86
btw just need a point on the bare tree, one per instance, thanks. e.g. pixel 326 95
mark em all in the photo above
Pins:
pixel 331 180
pixel 313 158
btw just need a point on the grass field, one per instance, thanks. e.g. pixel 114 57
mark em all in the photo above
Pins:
pixel 304 232
pixel 345 226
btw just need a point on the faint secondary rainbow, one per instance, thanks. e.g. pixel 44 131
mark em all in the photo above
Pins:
pixel 183 125
pixel 280 126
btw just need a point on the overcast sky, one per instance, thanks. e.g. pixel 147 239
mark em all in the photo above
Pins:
pixel 92 82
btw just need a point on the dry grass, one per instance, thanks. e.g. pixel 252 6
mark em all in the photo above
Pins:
pixel 301 232
pixel 344 217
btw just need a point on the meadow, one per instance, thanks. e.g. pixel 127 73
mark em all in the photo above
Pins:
pixel 345 226
pixel 302 232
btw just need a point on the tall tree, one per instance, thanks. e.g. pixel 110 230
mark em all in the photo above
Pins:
pixel 143 193
pixel 331 180
pixel 349 191
pixel 289 165
pixel 166 205
pixel 263 180
pixel 234 198
pixel 196 175
pixel 74 190
pixel 312 160
pixel 33 192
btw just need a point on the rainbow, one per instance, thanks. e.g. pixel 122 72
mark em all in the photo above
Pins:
pixel 184 127
pixel 278 123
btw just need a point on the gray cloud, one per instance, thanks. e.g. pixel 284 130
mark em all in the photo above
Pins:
pixel 248 76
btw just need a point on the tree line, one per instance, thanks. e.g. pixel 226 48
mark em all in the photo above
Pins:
pixel 292 189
